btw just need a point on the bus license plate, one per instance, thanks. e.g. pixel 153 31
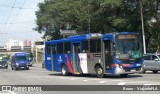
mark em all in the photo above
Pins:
pixel 22 67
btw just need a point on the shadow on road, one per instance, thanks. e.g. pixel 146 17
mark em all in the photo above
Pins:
pixel 3 68
pixel 150 72
pixel 94 76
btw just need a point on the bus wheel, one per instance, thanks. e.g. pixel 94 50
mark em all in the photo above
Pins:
pixel 63 70
pixel 99 72
pixel 155 71
pixel 123 75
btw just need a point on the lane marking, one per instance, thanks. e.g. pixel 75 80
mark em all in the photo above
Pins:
pixel 101 82
pixel 108 80
pixel 85 80
pixel 121 83
pixel 72 79
pixel 148 84
pixel 140 82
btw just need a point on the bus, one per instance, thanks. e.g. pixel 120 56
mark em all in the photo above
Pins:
pixel 100 54
pixel 19 61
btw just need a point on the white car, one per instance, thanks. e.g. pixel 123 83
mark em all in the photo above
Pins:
pixel 151 63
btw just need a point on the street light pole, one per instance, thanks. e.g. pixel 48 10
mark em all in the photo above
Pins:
pixel 143 35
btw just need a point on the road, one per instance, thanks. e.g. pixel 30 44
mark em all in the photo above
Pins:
pixel 38 76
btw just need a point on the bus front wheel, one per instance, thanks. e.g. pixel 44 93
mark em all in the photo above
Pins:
pixel 99 72
pixel 63 70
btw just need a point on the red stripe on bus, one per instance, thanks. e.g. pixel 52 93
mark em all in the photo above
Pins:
pixel 113 65
pixel 69 65
pixel 126 65
pixel 91 56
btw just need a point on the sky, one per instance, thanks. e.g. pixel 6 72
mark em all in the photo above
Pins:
pixel 17 20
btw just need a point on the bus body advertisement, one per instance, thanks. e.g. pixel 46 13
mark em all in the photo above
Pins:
pixel 113 53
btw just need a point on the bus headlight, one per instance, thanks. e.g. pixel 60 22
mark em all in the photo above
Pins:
pixel 17 64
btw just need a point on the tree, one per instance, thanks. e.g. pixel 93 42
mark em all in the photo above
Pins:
pixel 99 16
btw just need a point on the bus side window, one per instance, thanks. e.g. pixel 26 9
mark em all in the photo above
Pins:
pixel 85 47
pixel 60 48
pixel 95 45
pixel 48 49
pixel 67 47
pixel 53 49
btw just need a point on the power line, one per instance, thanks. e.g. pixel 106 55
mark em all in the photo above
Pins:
pixel 4 35
pixel 15 7
pixel 24 32
pixel 19 22
pixel 9 15
pixel 19 32
pixel 17 14
pixel 14 17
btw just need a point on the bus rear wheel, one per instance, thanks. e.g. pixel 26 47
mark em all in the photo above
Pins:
pixel 99 72
pixel 63 70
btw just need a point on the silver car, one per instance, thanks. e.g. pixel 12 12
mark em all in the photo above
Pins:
pixel 151 63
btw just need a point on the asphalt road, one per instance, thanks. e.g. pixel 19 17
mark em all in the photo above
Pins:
pixel 38 76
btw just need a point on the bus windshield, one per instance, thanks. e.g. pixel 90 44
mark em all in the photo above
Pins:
pixel 21 58
pixel 128 47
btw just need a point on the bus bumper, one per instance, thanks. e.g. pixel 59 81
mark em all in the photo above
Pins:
pixel 121 70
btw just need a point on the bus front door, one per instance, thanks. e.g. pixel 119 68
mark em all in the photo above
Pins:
pixel 75 58
pixel 49 57
pixel 107 57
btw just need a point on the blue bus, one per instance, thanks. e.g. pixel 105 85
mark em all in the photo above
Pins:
pixel 19 61
pixel 100 54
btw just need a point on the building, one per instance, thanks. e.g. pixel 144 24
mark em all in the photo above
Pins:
pixel 19 45
pixel 27 45
pixel 14 45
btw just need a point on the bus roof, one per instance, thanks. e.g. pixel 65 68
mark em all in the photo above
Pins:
pixel 20 54
pixel 77 38
pixel 108 36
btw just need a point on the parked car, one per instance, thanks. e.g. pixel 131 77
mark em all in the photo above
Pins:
pixel 3 62
pixel 19 61
pixel 151 63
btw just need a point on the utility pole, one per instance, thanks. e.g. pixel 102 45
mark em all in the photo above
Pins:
pixel 89 20
pixel 143 35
